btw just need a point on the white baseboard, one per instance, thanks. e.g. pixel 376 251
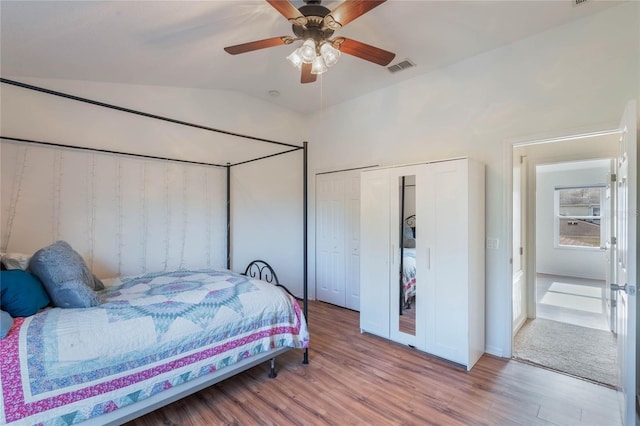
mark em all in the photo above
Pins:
pixel 495 351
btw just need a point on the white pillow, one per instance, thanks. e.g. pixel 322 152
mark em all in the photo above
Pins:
pixel 15 260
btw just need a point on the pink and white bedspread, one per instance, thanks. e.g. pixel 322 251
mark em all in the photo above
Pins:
pixel 63 366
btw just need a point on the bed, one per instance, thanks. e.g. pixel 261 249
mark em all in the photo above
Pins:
pixel 152 335
pixel 191 328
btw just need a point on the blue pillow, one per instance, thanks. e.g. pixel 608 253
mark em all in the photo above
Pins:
pixel 21 294
pixel 66 277
pixel 6 322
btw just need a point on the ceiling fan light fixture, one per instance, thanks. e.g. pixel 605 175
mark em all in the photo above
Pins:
pixel 295 58
pixel 308 51
pixel 314 25
pixel 330 54
pixel 318 66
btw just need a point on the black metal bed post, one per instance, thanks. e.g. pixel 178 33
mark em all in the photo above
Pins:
pixel 305 232
pixel 229 216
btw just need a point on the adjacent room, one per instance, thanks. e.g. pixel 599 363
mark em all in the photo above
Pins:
pixel 420 183
pixel 571 325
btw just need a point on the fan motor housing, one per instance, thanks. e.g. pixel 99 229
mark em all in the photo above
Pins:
pixel 315 14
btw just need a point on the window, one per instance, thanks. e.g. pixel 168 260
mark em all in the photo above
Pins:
pixel 578 216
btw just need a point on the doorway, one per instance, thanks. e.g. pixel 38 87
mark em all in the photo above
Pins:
pixel 560 305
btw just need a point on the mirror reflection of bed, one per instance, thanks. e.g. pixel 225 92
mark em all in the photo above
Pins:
pixel 407 244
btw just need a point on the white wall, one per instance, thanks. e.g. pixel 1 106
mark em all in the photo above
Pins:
pixel 32 115
pixel 572 262
pixel 576 76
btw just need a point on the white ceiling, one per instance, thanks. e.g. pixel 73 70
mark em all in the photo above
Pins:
pixel 180 43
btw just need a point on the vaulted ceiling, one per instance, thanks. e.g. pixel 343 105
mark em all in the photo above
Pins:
pixel 180 43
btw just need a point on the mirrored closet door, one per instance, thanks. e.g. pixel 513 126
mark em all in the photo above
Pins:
pixel 404 296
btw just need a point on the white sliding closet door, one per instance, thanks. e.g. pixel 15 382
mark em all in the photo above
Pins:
pixel 352 287
pixel 338 238
pixel 330 230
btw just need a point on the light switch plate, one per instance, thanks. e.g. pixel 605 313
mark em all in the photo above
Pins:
pixel 493 243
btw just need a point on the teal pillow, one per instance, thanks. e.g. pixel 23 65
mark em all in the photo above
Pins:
pixel 6 322
pixel 21 294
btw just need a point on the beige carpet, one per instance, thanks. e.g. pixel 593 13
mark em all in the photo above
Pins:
pixel 579 351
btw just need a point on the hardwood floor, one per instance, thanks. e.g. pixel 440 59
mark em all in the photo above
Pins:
pixel 360 379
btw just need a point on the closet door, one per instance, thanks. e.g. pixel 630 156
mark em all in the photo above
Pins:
pixel 446 287
pixel 338 238
pixel 375 252
pixel 447 259
pixel 330 235
pixel 406 199
pixel 352 261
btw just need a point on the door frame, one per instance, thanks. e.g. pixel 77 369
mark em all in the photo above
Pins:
pixel 529 258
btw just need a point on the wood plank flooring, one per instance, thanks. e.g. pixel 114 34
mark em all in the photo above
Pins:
pixel 360 379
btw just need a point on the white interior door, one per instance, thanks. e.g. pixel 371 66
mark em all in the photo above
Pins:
pixel 627 220
pixel 609 222
pixel 519 290
pixel 330 238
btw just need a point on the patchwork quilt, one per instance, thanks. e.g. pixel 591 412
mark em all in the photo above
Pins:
pixel 153 332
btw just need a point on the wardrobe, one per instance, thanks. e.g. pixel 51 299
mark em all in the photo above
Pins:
pixel 422 257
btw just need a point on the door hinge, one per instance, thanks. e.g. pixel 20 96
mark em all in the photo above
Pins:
pixel 614 241
pixel 614 177
pixel 614 303
pixel 629 289
pixel 521 251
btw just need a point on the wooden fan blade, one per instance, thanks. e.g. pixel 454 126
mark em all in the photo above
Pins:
pixel 306 76
pixel 348 11
pixel 259 44
pixel 363 51
pixel 289 11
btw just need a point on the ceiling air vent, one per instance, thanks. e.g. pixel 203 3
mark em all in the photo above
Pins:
pixel 402 65
pixel 578 2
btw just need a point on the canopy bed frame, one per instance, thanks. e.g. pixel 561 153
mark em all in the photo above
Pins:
pixel 257 269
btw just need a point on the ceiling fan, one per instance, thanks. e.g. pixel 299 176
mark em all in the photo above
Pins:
pixel 315 24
